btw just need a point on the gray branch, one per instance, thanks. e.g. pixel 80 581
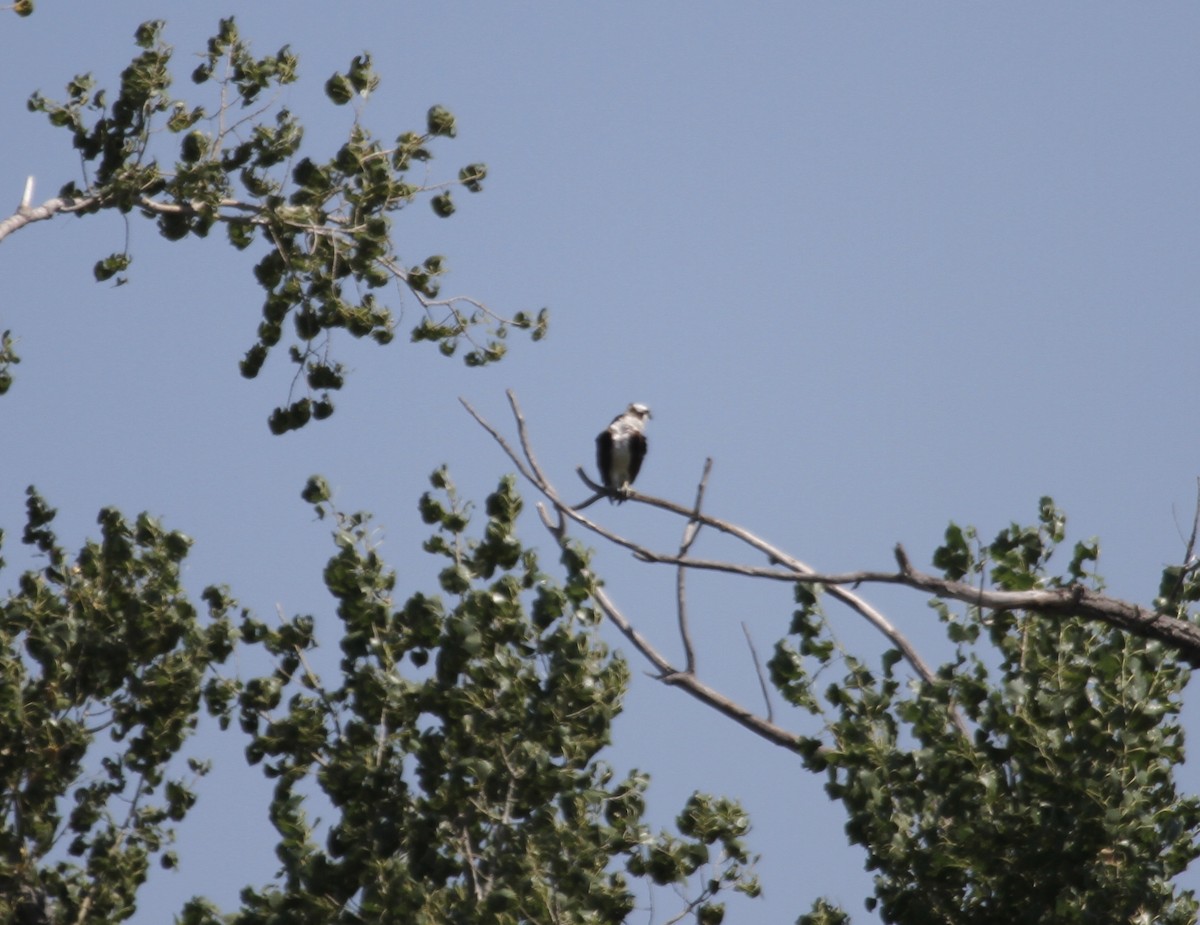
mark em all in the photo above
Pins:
pixel 27 213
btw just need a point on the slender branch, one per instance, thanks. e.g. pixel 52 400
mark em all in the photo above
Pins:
pixel 693 685
pixel 499 438
pixel 1189 553
pixel 666 672
pixel 1190 562
pixel 793 570
pixel 762 678
pixel 1075 600
pixel 690 532
pixel 526 446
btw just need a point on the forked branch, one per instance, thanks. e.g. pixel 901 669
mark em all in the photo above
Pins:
pixel 788 568
pixel 1054 602
pixel 784 566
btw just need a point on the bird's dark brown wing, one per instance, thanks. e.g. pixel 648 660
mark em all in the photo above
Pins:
pixel 638 445
pixel 604 444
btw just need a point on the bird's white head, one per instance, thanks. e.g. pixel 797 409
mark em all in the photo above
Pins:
pixel 642 411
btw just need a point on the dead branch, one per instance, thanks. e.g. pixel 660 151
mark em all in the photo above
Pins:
pixel 690 532
pixel 1059 602
pixel 666 672
pixel 762 678
pixel 792 570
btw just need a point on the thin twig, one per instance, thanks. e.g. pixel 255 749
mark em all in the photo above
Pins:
pixel 523 433
pixel 690 532
pixel 762 678
pixel 666 672
pixel 692 684
pixel 496 435
pixel 793 570
pixel 1191 546
pixel 1190 563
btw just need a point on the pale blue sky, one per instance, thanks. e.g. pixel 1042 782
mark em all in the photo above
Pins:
pixel 889 264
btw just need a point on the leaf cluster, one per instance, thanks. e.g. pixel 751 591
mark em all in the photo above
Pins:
pixel 8 359
pixel 323 223
pixel 101 675
pixel 459 747
pixel 1058 804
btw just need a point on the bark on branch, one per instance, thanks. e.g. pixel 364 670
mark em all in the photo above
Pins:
pixel 792 568
pixel 1075 601
pixel 26 212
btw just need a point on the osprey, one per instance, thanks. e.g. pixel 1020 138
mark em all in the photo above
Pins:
pixel 620 449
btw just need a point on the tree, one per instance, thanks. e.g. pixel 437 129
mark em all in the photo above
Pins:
pixel 102 645
pixel 325 224
pixel 458 749
pixel 456 756
pixel 1029 778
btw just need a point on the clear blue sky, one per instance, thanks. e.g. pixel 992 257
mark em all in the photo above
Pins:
pixel 889 264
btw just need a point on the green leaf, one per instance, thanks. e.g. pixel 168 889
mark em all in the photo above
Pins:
pixel 443 205
pixel 316 490
pixel 110 266
pixel 339 89
pixel 440 121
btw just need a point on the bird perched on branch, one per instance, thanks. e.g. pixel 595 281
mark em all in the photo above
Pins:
pixel 620 449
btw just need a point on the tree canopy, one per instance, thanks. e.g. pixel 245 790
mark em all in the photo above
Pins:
pixel 453 767
pixel 232 162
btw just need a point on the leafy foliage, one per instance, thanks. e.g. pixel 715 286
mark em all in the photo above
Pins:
pixel 457 753
pixel 459 748
pixel 324 223
pixel 8 359
pixel 1060 806
pixel 101 675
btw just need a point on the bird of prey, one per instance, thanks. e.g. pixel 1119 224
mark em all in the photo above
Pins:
pixel 620 449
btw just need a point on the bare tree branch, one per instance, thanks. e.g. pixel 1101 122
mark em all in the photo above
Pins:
pixel 1059 602
pixel 693 685
pixel 528 466
pixel 668 673
pixel 762 678
pixel 498 437
pixel 793 569
pixel 1190 561
pixel 1189 553
pixel 690 532
pixel 1075 600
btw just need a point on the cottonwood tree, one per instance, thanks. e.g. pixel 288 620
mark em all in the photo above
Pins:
pixel 1028 778
pixel 456 756
pixel 235 160
pixel 103 659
